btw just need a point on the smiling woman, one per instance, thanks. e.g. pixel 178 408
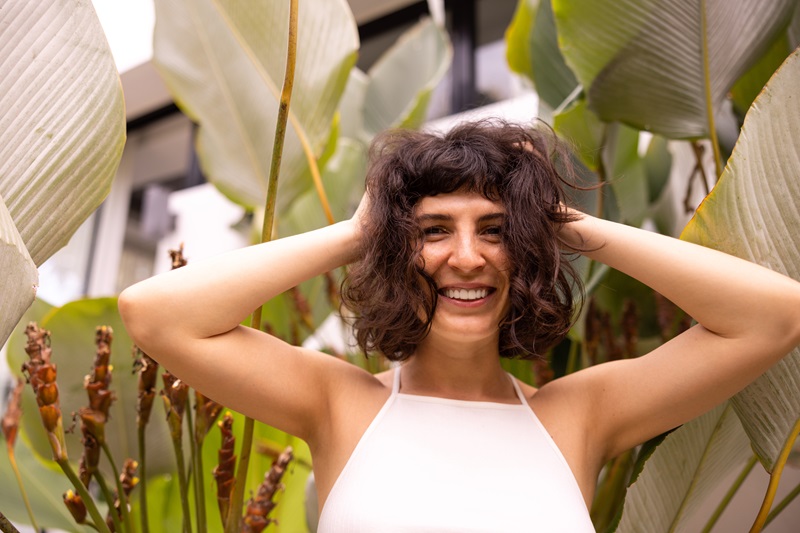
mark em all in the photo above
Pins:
pixel 458 259
pixel 521 213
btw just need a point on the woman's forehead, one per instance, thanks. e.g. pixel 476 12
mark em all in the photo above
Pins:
pixel 458 202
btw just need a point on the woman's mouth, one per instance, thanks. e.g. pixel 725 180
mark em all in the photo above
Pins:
pixel 465 295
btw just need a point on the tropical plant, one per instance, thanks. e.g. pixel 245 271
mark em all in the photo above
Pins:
pixel 232 90
pixel 682 70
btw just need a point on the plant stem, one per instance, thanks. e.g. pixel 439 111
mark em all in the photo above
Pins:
pixel 6 526
pixel 99 523
pixel 187 515
pixel 110 500
pixel 775 478
pixel 13 460
pixel 199 496
pixel 784 502
pixel 712 128
pixel 143 481
pixel 235 511
pixel 730 494
pixel 123 498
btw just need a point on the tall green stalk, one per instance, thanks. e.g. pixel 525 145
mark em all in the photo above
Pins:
pixel 775 478
pixel 199 493
pixel 123 498
pixel 235 513
pixel 143 480
pixel 13 460
pixel 99 523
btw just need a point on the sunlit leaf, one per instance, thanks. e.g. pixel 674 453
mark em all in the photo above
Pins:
pixel 20 277
pixel 532 50
pixel 402 80
pixel 641 61
pixel 224 63
pixel 62 119
pixel 44 484
pixel 73 332
pixel 753 213
pixel 750 84
pixel 683 470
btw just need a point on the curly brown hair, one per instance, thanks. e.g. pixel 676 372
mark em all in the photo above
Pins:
pixel 503 162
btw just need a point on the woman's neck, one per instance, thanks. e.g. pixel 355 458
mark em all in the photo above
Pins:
pixel 462 372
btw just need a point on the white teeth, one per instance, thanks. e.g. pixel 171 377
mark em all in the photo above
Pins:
pixel 466 294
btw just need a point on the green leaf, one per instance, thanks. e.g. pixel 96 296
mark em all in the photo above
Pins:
pixel 752 213
pixel 584 131
pixel 73 332
pixel 402 80
pixel 224 63
pixel 657 166
pixel 744 92
pixel 641 61
pixel 683 470
pixel 532 50
pixel 62 119
pixel 44 484
pixel 20 277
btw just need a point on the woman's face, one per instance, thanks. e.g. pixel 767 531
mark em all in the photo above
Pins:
pixel 463 252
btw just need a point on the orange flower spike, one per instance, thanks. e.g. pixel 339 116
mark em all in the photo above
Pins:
pixel 261 505
pixel 303 309
pixel 41 374
pixel 148 375
pixel 207 413
pixel 128 477
pixel 75 506
pixel 224 471
pixel 630 328
pixel 13 414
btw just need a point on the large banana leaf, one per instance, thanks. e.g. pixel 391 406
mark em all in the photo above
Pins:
pixel 532 50
pixel 62 129
pixel 402 80
pixel 754 213
pixel 20 277
pixel 642 62
pixel 683 470
pixel 224 63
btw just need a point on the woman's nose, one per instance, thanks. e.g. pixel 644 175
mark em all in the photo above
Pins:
pixel 466 255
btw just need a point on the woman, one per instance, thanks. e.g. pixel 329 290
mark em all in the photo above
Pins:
pixel 458 261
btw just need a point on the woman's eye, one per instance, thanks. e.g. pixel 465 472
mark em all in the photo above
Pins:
pixel 493 230
pixel 434 230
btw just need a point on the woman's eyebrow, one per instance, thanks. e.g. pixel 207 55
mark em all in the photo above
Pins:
pixel 434 217
pixel 437 217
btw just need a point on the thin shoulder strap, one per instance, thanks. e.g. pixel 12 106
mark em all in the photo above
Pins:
pixel 517 388
pixel 396 383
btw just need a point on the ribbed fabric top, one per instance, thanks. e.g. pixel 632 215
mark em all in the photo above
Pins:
pixel 437 465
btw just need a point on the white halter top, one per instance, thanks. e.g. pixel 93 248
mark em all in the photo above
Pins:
pixel 437 465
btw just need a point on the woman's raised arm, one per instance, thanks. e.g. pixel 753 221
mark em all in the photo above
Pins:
pixel 748 318
pixel 188 320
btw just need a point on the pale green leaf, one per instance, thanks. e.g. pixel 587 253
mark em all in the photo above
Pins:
pixel 532 50
pixel 753 213
pixel 44 483
pixel 683 470
pixel 641 61
pixel 583 130
pixel 62 119
pixel 73 333
pixel 20 277
pixel 401 81
pixel 224 63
